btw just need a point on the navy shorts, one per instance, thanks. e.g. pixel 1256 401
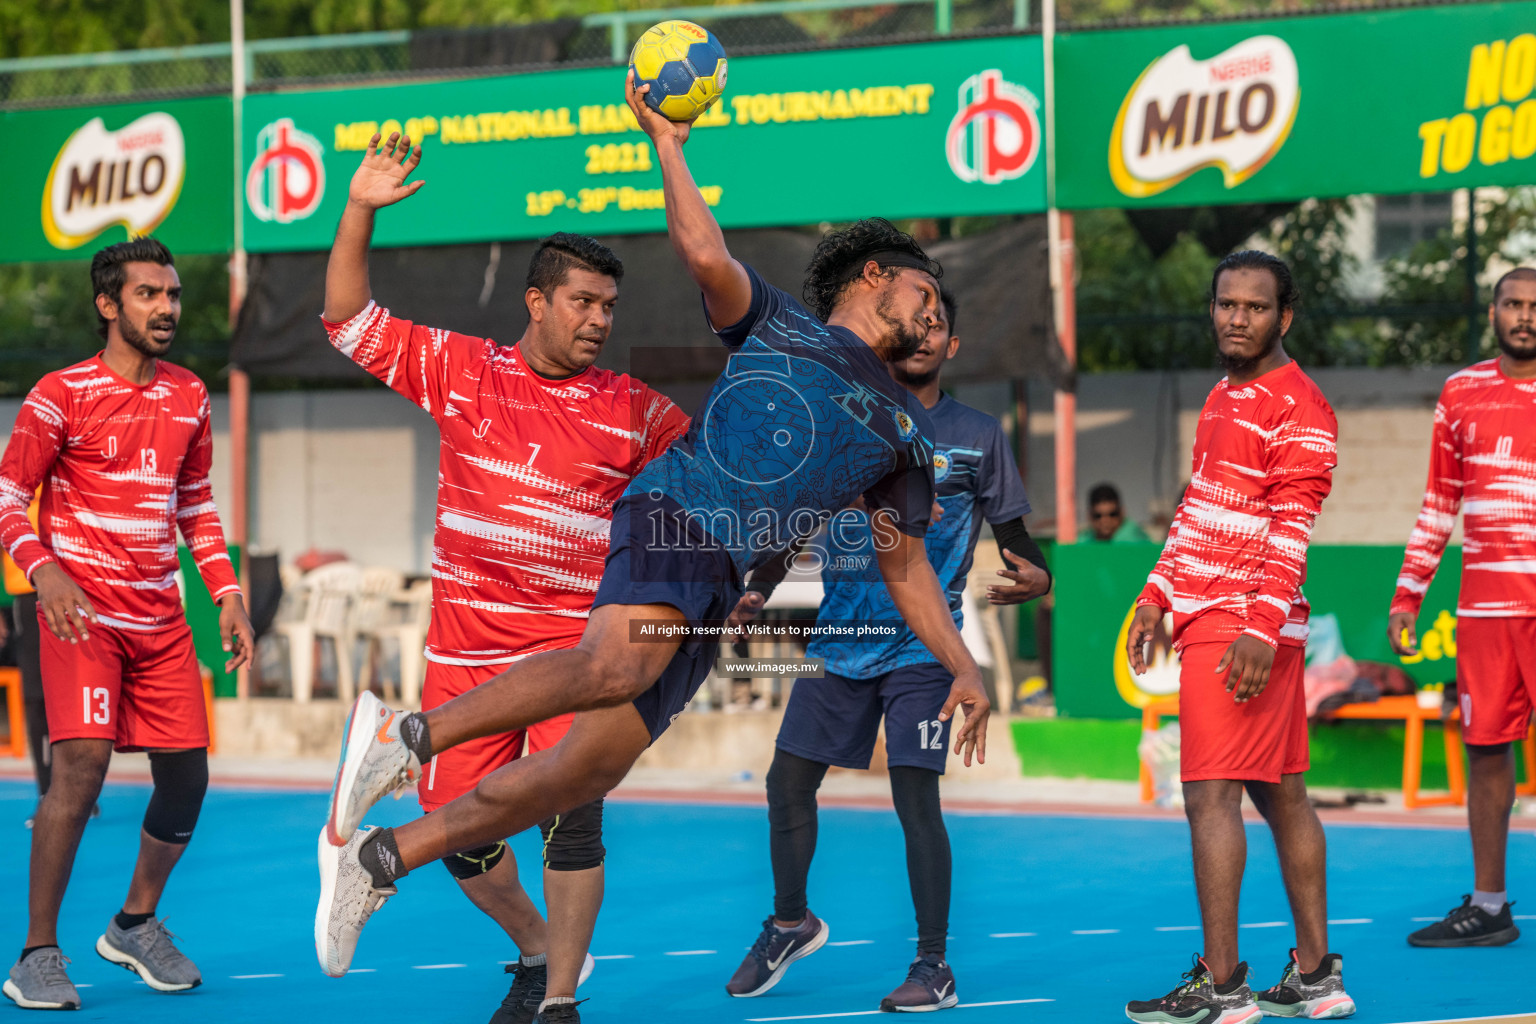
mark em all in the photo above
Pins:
pixel 834 720
pixel 652 559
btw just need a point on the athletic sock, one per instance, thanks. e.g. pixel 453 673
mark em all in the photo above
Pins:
pixel 1490 902
pixel 533 961
pixel 555 1001
pixel 417 736
pixel 126 920
pixel 794 928
pixel 29 950
pixel 380 857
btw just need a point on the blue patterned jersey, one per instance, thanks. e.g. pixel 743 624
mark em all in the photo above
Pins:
pixel 804 420
pixel 977 479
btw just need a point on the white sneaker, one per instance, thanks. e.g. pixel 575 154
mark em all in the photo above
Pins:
pixel 375 762
pixel 348 898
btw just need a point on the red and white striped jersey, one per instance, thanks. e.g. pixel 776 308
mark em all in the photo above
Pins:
pixel 122 466
pixel 1236 555
pixel 1483 463
pixel 528 472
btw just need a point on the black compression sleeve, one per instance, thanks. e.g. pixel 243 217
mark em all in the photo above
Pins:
pixel 1012 536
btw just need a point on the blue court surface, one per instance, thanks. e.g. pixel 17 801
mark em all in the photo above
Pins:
pixel 1055 918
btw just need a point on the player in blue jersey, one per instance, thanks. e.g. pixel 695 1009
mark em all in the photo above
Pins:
pixel 805 420
pixel 833 720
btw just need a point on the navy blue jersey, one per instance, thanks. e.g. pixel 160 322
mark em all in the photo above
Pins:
pixel 977 479
pixel 804 420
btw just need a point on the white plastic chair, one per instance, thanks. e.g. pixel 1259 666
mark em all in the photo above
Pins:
pixel 322 607
pixel 411 612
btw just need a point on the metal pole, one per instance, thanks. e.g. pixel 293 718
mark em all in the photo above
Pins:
pixel 1474 319
pixel 1020 13
pixel 1061 263
pixel 239 381
pixel 943 16
pixel 618 40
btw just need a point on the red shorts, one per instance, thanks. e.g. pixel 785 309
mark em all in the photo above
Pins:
pixel 1495 679
pixel 1258 741
pixel 142 691
pixel 459 769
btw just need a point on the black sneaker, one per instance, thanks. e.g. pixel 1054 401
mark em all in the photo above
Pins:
pixel 1199 1000
pixel 560 1013
pixel 1315 996
pixel 1469 925
pixel 930 985
pixel 772 954
pixel 522 1003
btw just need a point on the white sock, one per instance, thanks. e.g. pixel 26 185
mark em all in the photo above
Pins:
pixel 794 927
pixel 554 1000
pixel 532 961
pixel 1490 902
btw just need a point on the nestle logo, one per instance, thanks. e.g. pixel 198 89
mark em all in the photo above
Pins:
pixel 1247 67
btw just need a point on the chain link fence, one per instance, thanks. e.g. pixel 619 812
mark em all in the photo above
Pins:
pixel 595 40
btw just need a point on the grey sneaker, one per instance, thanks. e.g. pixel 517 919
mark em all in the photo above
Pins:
pixel 375 762
pixel 930 985
pixel 147 950
pixel 1315 996
pixel 348 899
pixel 773 952
pixel 39 982
pixel 1199 1000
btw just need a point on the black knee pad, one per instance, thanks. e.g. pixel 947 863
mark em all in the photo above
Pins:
pixel 181 780
pixel 474 863
pixel 574 841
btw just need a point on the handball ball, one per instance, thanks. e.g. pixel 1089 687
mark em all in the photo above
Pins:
pixel 683 64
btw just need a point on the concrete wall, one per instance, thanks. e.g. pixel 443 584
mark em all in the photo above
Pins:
pixel 356 471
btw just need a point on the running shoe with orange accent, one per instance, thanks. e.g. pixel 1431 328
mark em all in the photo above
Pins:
pixel 1316 996
pixel 375 762
pixel 1199 1000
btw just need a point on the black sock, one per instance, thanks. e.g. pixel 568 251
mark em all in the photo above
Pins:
pixel 29 950
pixel 417 736
pixel 380 857
pixel 792 785
pixel 126 920
pixel 915 792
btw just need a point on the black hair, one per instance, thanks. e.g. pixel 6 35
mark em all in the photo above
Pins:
pixel 1102 493
pixel 951 307
pixel 563 252
pixel 1518 274
pixel 109 270
pixel 840 257
pixel 1253 259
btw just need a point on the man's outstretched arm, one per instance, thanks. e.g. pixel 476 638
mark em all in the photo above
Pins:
pixel 695 234
pixel 379 182
pixel 916 592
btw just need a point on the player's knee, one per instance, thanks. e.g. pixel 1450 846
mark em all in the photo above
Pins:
pixel 181 781
pixel 573 841
pixel 473 863
pixel 615 681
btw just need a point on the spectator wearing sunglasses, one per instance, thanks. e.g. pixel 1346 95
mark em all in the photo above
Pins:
pixel 1106 519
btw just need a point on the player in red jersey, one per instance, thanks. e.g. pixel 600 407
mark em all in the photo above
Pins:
pixel 1231 574
pixel 537 445
pixel 122 446
pixel 1482 462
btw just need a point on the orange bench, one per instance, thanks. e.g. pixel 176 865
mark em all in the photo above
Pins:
pixel 1405 709
pixel 16 715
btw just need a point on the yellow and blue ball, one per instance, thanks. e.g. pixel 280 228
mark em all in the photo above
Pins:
pixel 684 64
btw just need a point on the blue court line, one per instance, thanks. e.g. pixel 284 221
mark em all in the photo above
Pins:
pixel 690 878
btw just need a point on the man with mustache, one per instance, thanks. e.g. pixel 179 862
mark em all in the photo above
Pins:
pixel 1231 573
pixel 804 420
pixel 833 719
pixel 537 444
pixel 1482 461
pixel 122 446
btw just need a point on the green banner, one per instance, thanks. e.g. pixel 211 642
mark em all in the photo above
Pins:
pixel 937 129
pixel 78 178
pixel 1097 585
pixel 1418 100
